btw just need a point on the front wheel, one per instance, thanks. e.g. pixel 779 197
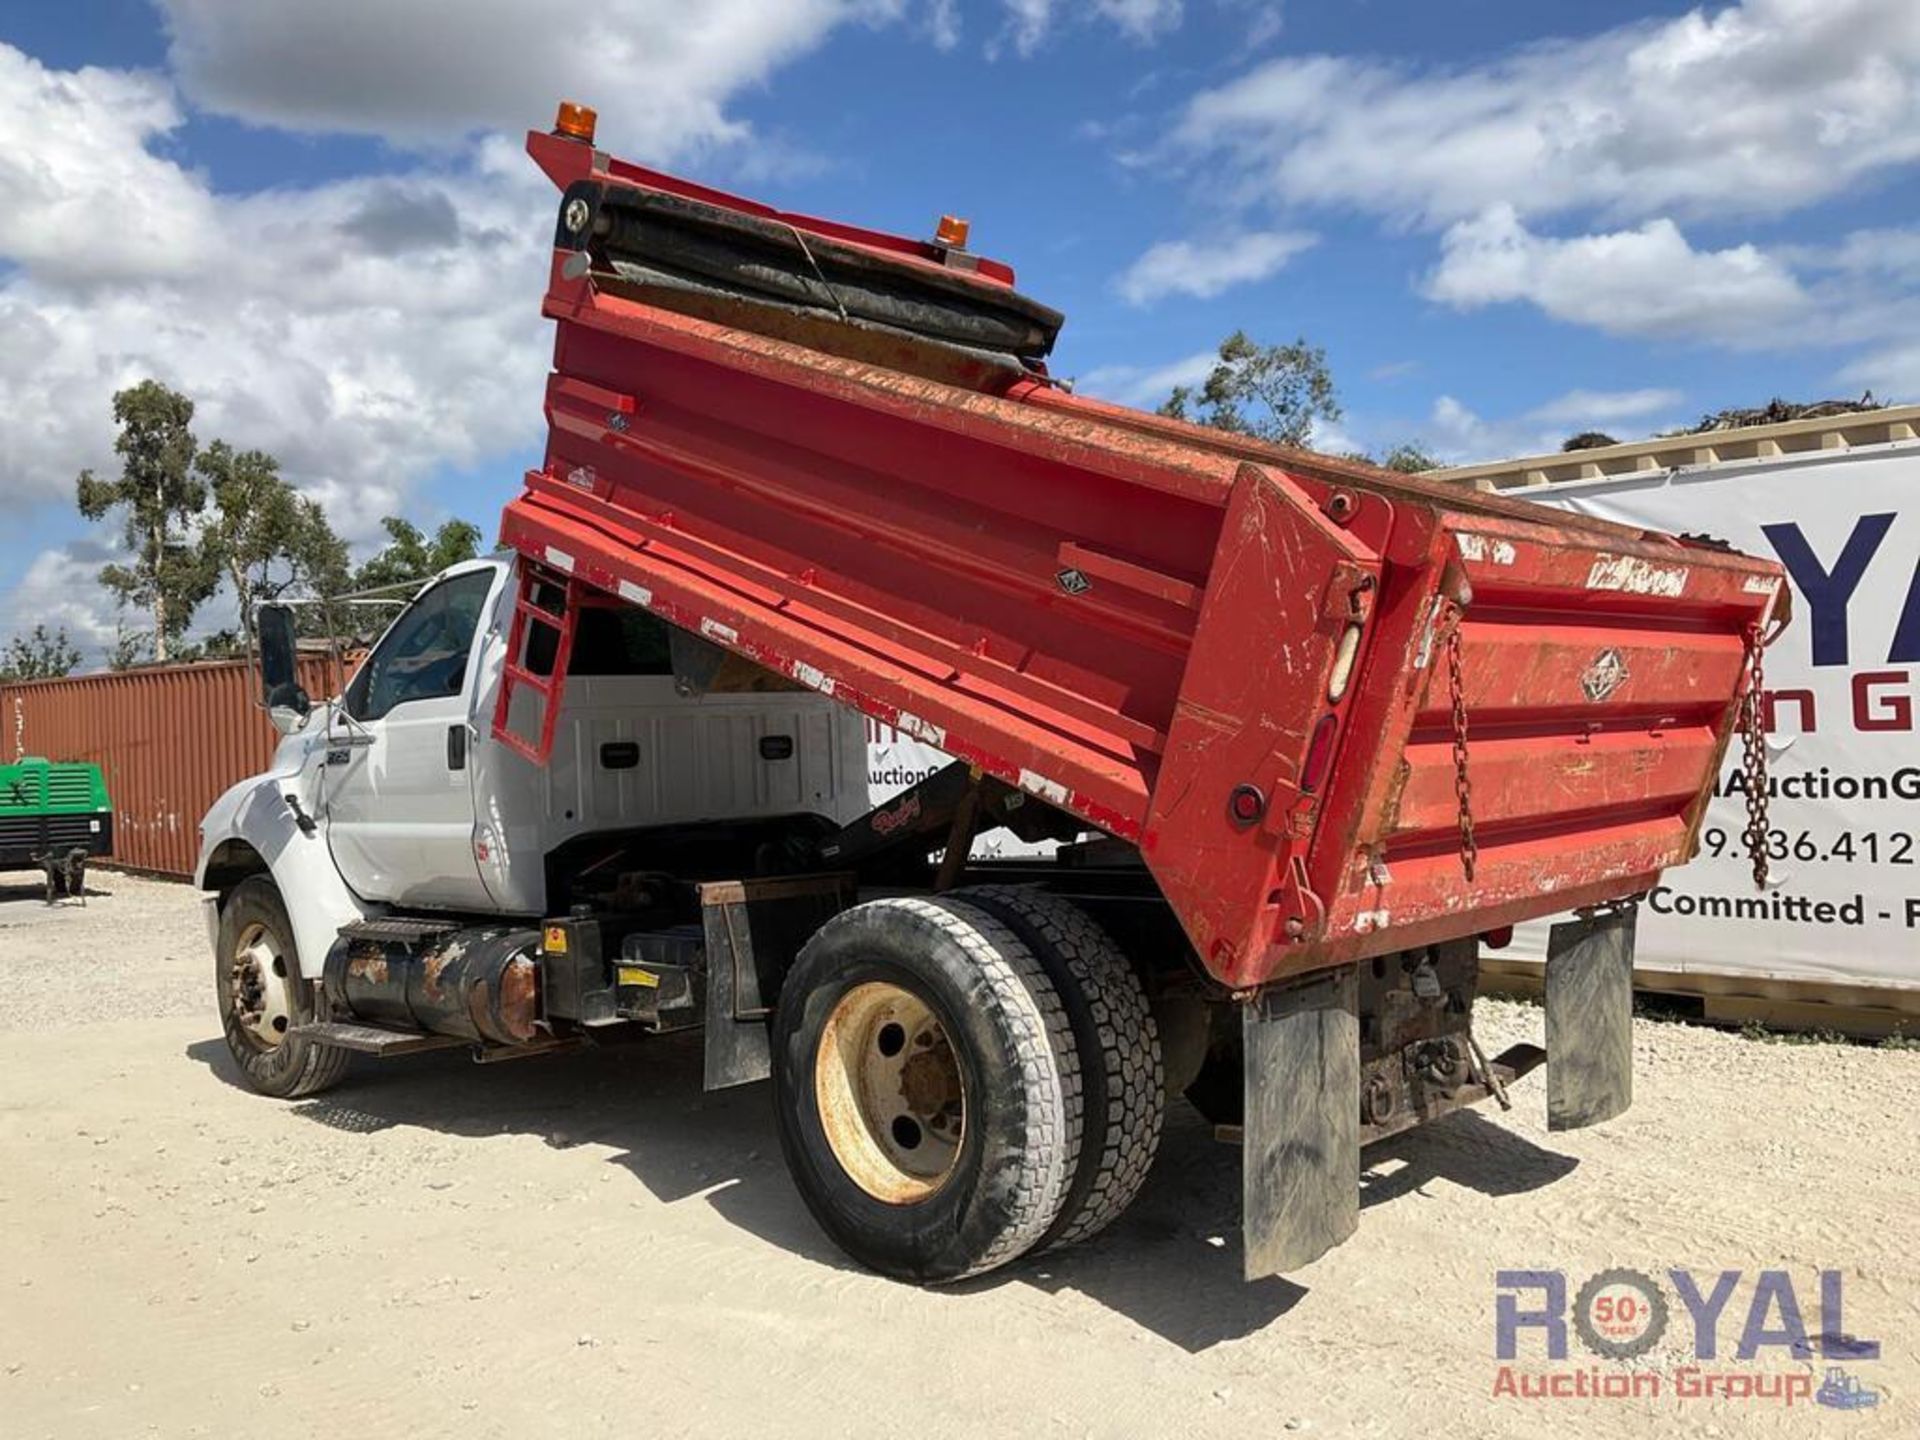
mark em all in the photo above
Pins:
pixel 262 997
pixel 926 1085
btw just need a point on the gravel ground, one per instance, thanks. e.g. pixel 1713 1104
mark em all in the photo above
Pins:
pixel 589 1245
pixel 136 951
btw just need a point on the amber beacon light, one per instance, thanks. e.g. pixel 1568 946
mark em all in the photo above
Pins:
pixel 576 122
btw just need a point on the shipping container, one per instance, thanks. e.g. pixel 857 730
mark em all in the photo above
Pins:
pixel 169 739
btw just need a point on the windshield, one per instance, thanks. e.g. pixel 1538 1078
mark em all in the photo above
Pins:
pixel 426 652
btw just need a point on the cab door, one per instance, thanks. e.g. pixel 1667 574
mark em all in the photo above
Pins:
pixel 397 792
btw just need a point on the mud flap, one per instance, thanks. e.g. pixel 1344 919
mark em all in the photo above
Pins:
pixel 1589 997
pixel 752 929
pixel 1300 1161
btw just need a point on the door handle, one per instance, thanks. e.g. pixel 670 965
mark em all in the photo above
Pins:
pixel 457 746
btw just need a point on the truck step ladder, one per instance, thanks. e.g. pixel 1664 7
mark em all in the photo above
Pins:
pixel 397 930
pixel 373 1039
pixel 529 614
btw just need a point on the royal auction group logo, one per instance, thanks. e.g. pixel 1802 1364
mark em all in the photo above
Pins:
pixel 1663 1338
pixel 1620 1314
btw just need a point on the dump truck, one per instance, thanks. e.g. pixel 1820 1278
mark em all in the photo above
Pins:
pixel 1295 738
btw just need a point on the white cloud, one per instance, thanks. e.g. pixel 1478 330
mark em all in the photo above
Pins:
pixel 1205 268
pixel 660 71
pixel 1146 386
pixel 1031 22
pixel 369 331
pixel 59 589
pixel 1889 254
pixel 81 199
pixel 1331 438
pixel 365 331
pixel 1453 433
pixel 1593 407
pixel 1267 20
pixel 1761 107
pixel 943 23
pixel 1561 173
pixel 1645 282
pixel 1028 22
pixel 1892 373
pixel 1141 19
pixel 1458 436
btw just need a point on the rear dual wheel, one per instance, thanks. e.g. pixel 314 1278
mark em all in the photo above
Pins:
pixel 1122 1083
pixel 947 1098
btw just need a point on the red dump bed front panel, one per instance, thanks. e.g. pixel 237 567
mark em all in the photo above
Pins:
pixel 1136 619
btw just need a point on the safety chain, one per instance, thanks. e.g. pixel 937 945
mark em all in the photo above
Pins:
pixel 1753 757
pixel 1462 784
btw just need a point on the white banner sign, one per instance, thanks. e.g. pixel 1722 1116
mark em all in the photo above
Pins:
pixel 1844 814
pixel 896 761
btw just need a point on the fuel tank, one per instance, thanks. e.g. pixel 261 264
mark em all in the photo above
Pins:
pixel 480 983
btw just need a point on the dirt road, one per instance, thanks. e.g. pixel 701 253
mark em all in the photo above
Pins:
pixel 588 1245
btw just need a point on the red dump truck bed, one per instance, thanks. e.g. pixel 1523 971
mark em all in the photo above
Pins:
pixel 1251 662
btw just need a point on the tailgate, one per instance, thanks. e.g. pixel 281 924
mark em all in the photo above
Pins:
pixel 1598 678
pixel 1306 816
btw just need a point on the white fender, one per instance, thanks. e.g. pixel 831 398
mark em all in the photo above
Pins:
pixel 255 813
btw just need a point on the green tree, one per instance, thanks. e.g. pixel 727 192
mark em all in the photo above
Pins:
pixel 411 556
pixel 220 645
pixel 161 498
pixel 1588 440
pixel 1272 392
pixel 40 654
pixel 130 647
pixel 1409 457
pixel 268 541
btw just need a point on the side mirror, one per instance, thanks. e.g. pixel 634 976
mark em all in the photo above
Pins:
pixel 287 704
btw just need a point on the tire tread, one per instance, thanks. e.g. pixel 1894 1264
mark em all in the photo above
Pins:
pixel 1026 1002
pixel 1124 1044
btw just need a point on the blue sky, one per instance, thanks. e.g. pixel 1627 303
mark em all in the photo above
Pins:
pixel 1505 221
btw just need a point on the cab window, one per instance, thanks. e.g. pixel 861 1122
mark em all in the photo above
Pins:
pixel 620 641
pixel 607 640
pixel 425 654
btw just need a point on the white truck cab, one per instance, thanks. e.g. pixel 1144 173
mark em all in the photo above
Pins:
pixel 395 796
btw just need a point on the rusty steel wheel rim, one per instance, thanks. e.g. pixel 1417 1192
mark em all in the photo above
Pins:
pixel 259 987
pixel 891 1098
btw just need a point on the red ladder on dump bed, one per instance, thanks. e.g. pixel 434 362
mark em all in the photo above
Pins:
pixel 528 613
